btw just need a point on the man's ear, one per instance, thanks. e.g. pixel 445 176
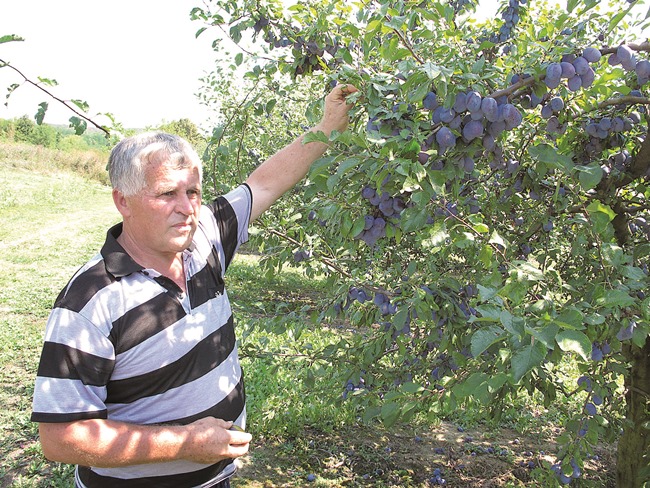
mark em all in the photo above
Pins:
pixel 121 203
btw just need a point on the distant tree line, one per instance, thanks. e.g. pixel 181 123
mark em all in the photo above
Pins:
pixel 25 130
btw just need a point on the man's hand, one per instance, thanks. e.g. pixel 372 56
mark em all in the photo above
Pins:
pixel 210 440
pixel 288 166
pixel 335 116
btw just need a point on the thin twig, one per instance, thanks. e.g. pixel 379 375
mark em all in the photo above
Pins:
pixel 51 95
pixel 328 262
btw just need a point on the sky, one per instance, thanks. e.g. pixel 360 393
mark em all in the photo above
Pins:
pixel 137 59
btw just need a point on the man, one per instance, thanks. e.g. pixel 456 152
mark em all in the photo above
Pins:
pixel 139 382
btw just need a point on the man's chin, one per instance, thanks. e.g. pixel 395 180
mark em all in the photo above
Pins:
pixel 183 241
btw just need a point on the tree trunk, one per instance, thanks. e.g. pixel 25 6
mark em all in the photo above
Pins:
pixel 633 464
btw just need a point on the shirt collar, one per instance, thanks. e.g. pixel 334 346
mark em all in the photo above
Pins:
pixel 116 259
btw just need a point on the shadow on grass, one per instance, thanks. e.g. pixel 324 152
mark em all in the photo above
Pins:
pixel 408 457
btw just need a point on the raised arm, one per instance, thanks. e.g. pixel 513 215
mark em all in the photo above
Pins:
pixel 288 166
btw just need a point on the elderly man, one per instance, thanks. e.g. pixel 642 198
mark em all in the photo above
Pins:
pixel 139 382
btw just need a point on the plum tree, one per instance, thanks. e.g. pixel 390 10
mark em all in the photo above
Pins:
pixel 517 151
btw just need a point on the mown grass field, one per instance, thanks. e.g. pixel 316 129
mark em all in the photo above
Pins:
pixel 53 220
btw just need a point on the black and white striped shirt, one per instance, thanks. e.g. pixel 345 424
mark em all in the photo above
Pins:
pixel 124 343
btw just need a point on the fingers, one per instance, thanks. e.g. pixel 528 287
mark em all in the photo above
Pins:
pixel 239 443
pixel 341 91
pixel 347 89
pixel 212 440
pixel 224 424
pixel 239 437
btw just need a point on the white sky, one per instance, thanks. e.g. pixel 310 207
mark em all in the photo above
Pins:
pixel 137 59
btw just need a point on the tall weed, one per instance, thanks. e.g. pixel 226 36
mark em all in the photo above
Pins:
pixel 89 164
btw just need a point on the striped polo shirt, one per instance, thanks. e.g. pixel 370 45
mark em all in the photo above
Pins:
pixel 125 343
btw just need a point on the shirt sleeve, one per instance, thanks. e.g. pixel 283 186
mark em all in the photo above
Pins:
pixel 231 214
pixel 76 363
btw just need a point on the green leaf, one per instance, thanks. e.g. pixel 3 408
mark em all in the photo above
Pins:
pixel 40 114
pixel 463 240
pixel 490 312
pixel 548 155
pixel 239 58
pixel 601 215
pixel 419 93
pixel 546 335
pixel 574 341
pixel 515 291
pixel 312 136
pixel 616 298
pixel 633 273
pixel 358 226
pixel 347 165
pixel 48 82
pixel 415 218
pixel 411 388
pixel 371 413
pixel 496 382
pixel 616 19
pixel 481 228
pixel 310 380
pixel 83 106
pixel 433 71
pixel 79 125
pixel 589 176
pixel 484 338
pixel 495 238
pixel 485 256
pixel 321 166
pixel 389 414
pixel 409 410
pixel 474 386
pixel 525 271
pixel 570 318
pixel 526 359
pixel 10 38
pixel 270 105
pixel 614 255
pixel 400 318
pixel 514 325
pixel 596 206
pixel 478 65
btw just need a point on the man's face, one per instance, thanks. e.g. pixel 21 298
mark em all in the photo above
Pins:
pixel 163 217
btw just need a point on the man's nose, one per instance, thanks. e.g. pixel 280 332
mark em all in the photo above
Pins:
pixel 185 204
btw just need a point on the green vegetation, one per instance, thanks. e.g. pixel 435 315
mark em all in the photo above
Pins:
pixel 52 222
pixel 488 206
pixel 25 130
pixel 303 428
pixel 474 247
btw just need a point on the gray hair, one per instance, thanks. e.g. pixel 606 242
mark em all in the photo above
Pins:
pixel 129 158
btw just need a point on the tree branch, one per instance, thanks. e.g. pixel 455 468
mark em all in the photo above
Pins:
pixel 51 95
pixel 328 262
pixel 644 46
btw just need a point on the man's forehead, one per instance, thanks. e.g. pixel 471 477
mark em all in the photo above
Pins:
pixel 165 173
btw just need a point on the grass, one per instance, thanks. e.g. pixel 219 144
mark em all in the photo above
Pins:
pixel 91 163
pixel 52 223
pixel 55 220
